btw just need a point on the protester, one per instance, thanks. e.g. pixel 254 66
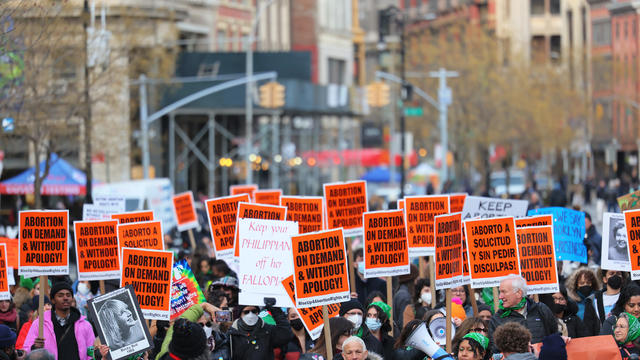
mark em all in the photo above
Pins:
pixel 8 314
pixel 629 301
pixel 300 342
pixel 462 293
pixel 203 273
pixel 470 325
pixel 82 296
pixel 354 348
pixel 582 283
pixel 421 301
pixel 340 330
pixel 401 350
pixel 252 338
pixel 188 342
pixel 229 285
pixel 353 311
pixel 40 354
pixel 553 347
pixel 569 324
pixel 516 307
pixel 365 286
pixel 626 331
pixel 404 294
pixel 378 322
pixel 601 302
pixel 473 346
pixel 512 341
pixel 484 312
pixel 375 296
pixel 34 315
pixel 592 240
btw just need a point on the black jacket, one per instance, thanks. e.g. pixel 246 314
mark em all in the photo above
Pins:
pixel 385 344
pixel 540 321
pixel 607 325
pixel 575 326
pixel 259 343
pixel 405 353
pixel 592 321
pixel 363 289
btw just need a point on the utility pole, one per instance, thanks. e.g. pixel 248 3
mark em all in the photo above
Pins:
pixel 87 102
pixel 444 100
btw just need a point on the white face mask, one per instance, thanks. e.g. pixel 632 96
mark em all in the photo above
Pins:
pixel 355 319
pixel 426 298
pixel 207 331
pixel 83 288
pixel 250 319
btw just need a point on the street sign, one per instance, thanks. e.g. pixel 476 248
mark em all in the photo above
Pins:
pixel 444 96
pixel 413 111
pixel 7 125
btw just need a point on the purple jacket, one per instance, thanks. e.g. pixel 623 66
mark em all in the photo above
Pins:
pixel 83 330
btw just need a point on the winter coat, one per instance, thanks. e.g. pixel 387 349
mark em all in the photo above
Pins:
pixel 293 350
pixel 371 356
pixel 260 342
pixel 540 321
pixel 81 328
pixel 593 241
pixel 401 299
pixel 607 325
pixel 570 283
pixel 575 326
pixel 591 320
pixel 385 344
pixel 408 353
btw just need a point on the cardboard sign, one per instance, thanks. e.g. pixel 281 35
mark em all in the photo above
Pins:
pixel 568 232
pixel 448 251
pixel 4 274
pixel 456 202
pixel 185 211
pixel 97 250
pixel 311 317
pixel 420 212
pixel 142 235
pixel 484 207
pixel 385 244
pixel 538 259
pixel 222 213
pixel 185 291
pixel 629 201
pixel 149 272
pixel 133 216
pixel 13 246
pixel 257 211
pixel 267 197
pixel 345 203
pixel 243 189
pixel 615 243
pixel 307 211
pixel 493 250
pixel 538 220
pixel 44 238
pixel 632 224
pixel 265 260
pixel 321 275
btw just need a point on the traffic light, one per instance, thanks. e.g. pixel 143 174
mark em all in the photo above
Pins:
pixel 378 94
pixel 272 95
pixel 278 95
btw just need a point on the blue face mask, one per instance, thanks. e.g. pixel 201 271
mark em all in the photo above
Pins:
pixel 373 324
pixel 361 267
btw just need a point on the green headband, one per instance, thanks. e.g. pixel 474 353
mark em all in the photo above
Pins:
pixel 634 328
pixel 481 339
pixel 384 306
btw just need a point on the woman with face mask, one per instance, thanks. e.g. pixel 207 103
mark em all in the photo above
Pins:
pixel 379 323
pixel 252 338
pixel 300 342
pixel 421 301
pixel 565 311
pixel 581 285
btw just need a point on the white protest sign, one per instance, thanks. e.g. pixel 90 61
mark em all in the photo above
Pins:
pixel 484 207
pixel 92 212
pixel 117 203
pixel 615 252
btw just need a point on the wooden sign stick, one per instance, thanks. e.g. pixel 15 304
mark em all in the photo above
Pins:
pixel 390 301
pixel 448 322
pixel 474 302
pixel 327 331
pixel 43 288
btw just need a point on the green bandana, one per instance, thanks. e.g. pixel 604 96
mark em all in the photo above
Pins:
pixel 634 328
pixel 507 311
pixel 481 339
pixel 385 308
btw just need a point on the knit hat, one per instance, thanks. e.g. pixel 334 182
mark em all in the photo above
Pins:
pixel 483 307
pixel 189 339
pixel 35 302
pixel 59 286
pixel 457 311
pixel 634 328
pixel 481 339
pixel 347 306
pixel 227 281
pixel 553 348
pixel 7 336
pixel 383 306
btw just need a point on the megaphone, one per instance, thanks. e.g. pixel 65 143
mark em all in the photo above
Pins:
pixel 419 338
pixel 438 330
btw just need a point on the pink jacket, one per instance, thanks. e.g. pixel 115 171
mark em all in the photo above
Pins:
pixel 83 330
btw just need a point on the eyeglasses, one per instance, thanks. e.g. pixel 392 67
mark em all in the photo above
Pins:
pixel 479 330
pixel 255 311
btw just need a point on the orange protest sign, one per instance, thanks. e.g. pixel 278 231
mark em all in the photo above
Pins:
pixel 385 244
pixel 538 259
pixel 4 274
pixel 306 211
pixel 243 189
pixel 538 220
pixel 97 250
pixel 43 243
pixel 465 258
pixel 185 211
pixel 345 203
pixel 320 270
pixel 222 213
pixel 133 216
pixel 312 316
pixel 267 197
pixel 257 211
pixel 456 202
pixel 448 247
pixel 420 212
pixel 12 251
pixel 142 235
pixel 149 272
pixel 493 250
pixel 632 223
pixel 401 204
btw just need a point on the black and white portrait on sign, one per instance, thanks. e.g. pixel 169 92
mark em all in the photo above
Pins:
pixel 615 252
pixel 120 324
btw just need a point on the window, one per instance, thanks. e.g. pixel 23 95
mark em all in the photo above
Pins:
pixel 336 71
pixel 64 65
pixel 556 50
pixel 554 7
pixel 221 39
pixel 537 7
pixel 538 49
pixel 601 33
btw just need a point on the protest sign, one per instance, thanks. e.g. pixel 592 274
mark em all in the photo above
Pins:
pixel 257 211
pixel 4 274
pixel 448 250
pixel 456 202
pixel 307 211
pixel 345 203
pixel 420 211
pixel 538 259
pixel 265 260
pixel 243 189
pixel 538 220
pixel 142 235
pixel 484 207
pixel 112 202
pixel 222 213
pixel 12 251
pixel 493 251
pixel 632 224
pixel 133 216
pixel 149 272
pixel 385 244
pixel 267 196
pixel 97 250
pixel 185 211
pixel 466 277
pixel 568 232
pixel 312 316
pixel 92 212
pixel 615 252
pixel 43 247
pixel 320 270
pixel 629 201
pixel 185 290
pixel 400 204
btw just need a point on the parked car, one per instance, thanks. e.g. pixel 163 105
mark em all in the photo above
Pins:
pixel 517 182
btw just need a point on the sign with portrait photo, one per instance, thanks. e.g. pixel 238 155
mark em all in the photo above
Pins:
pixel 615 252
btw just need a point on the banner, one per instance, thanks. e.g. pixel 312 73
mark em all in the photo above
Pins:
pixel 222 213
pixel 420 212
pixel 142 235
pixel 615 244
pixel 311 317
pixel 267 196
pixel 13 246
pixel 321 275
pixel 632 224
pixel 538 259
pixel 484 207
pixel 493 251
pixel 448 251
pixel 133 216
pixel 185 211
pixel 257 211
pixel 97 250
pixel 185 290
pixel 5 294
pixel 44 236
pixel 307 211
pixel 629 201
pixel 149 273
pixel 345 203
pixel 265 260
pixel 568 232
pixel 538 220
pixel 243 189
pixel 385 244
pixel 456 202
